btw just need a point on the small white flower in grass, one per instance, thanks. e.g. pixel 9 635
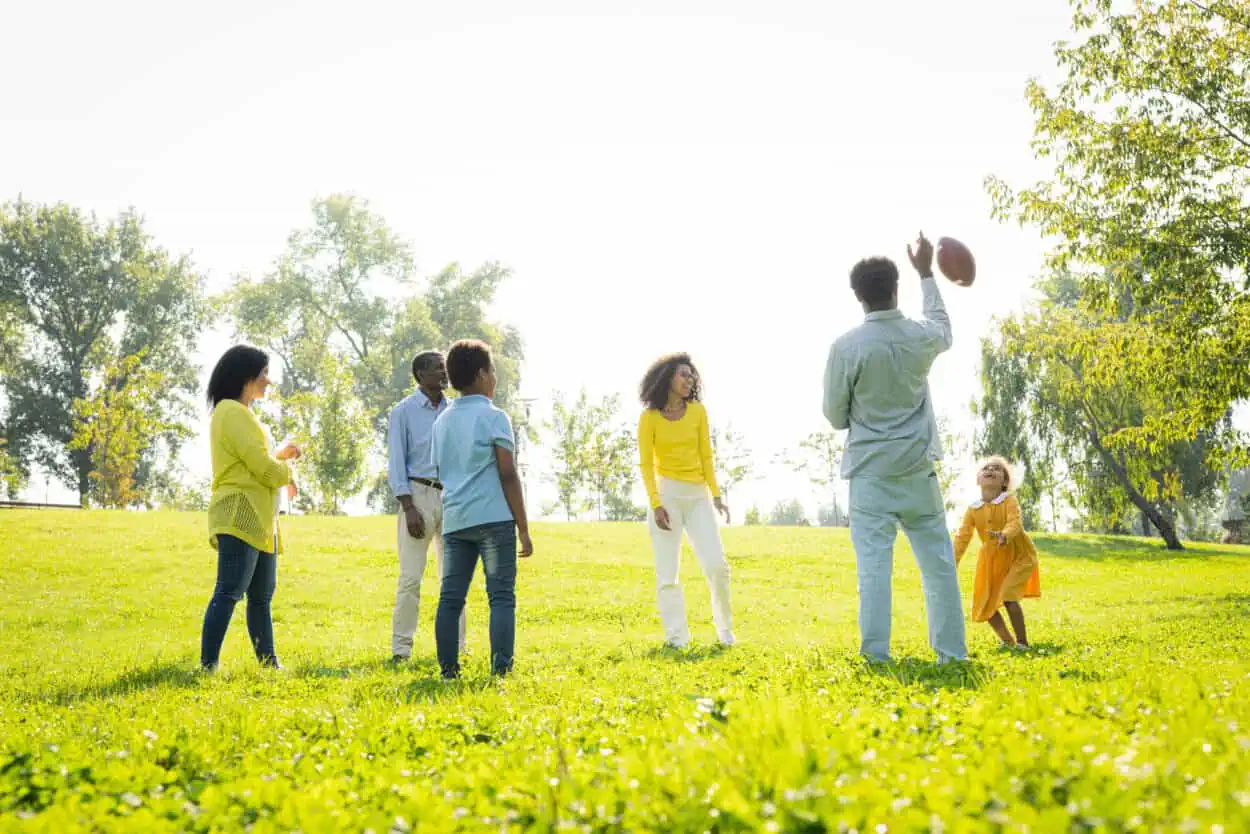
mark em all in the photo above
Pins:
pixel 1206 748
pixel 882 828
pixel 769 809
pixel 772 825
pixel 606 751
pixel 131 799
pixel 870 755
pixel 148 734
pixel 553 781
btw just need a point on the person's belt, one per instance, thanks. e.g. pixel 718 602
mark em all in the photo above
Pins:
pixel 428 482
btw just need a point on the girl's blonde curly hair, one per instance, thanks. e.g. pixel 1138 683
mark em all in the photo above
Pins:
pixel 1009 480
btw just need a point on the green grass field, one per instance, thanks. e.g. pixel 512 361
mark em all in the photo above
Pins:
pixel 1132 715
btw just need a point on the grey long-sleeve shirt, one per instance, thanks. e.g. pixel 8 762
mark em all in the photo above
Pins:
pixel 877 385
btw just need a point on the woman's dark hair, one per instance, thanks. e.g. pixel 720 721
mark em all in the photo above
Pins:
pixel 465 359
pixel 653 391
pixel 234 370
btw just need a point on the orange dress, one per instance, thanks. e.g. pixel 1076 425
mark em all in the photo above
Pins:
pixel 1005 573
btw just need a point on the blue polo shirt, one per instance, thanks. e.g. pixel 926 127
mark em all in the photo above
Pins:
pixel 462 447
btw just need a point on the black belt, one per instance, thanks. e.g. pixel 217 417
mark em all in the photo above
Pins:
pixel 428 482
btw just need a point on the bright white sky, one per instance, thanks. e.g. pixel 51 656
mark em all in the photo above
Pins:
pixel 671 175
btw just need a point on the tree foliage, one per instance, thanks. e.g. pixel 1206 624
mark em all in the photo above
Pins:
pixel 1149 135
pixel 819 458
pixel 788 514
pixel 79 295
pixel 332 428
pixel 594 458
pixel 116 425
pixel 346 286
pixel 735 463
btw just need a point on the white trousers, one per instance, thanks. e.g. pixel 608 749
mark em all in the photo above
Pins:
pixel 879 506
pixel 690 509
pixel 412 559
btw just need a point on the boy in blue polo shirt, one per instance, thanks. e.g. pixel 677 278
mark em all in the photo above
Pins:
pixel 483 507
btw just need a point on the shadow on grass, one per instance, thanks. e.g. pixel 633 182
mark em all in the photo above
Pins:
pixel 967 674
pixel 345 670
pixel 690 654
pixel 1125 549
pixel 184 675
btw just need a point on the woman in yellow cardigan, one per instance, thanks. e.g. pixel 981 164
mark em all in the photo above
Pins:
pixel 1007 569
pixel 674 442
pixel 243 510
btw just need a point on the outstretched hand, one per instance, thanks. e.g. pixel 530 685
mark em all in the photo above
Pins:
pixel 922 258
pixel 722 508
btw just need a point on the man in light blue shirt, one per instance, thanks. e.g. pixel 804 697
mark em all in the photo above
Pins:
pixel 877 386
pixel 414 483
pixel 483 506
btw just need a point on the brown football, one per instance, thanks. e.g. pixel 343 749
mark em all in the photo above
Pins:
pixel 956 262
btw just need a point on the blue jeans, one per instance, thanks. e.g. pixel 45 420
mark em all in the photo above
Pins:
pixel 496 544
pixel 241 569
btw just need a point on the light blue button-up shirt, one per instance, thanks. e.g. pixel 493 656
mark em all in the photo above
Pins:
pixel 408 441
pixel 463 447
pixel 877 385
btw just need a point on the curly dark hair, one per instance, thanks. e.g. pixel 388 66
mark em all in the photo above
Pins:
pixel 875 281
pixel 653 391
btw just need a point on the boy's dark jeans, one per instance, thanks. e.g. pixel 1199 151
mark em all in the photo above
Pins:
pixel 496 545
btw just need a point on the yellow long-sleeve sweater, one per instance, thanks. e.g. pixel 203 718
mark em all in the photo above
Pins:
pixel 680 450
pixel 246 478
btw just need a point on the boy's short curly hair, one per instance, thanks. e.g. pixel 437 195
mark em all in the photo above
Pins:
pixel 465 359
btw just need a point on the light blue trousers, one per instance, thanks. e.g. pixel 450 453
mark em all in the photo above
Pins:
pixel 878 507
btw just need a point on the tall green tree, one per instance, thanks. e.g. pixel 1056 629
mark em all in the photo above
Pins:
pixel 1010 425
pixel 610 460
pixel 332 427
pixel 1092 381
pixel 1149 135
pixel 346 285
pixel 569 430
pixel 82 294
pixel 116 425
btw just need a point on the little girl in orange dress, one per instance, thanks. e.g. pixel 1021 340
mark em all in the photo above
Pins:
pixel 1007 564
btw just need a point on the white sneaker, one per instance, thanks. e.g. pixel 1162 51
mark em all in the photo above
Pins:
pixel 727 638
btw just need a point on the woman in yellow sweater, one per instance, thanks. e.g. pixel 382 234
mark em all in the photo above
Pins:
pixel 674 444
pixel 1007 569
pixel 243 510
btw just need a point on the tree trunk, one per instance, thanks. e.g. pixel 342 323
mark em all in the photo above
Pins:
pixel 82 465
pixel 1166 530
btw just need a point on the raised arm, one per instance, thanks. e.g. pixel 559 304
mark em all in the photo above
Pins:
pixel 935 324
